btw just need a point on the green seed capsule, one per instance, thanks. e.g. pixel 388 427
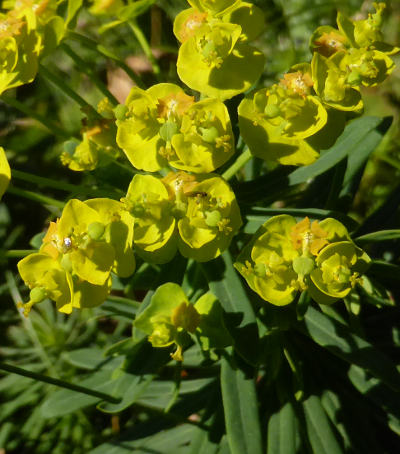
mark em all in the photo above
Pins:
pixel 212 218
pixel 120 111
pixel 70 146
pixel 96 230
pixel 303 265
pixel 209 134
pixel 272 110
pixel 354 78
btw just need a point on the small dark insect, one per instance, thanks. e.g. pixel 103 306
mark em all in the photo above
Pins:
pixel 197 194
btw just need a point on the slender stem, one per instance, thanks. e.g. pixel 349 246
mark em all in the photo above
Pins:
pixel 121 299
pixel 91 44
pixel 35 197
pixel 47 122
pixel 28 326
pixel 144 44
pixel 18 253
pixel 88 70
pixel 57 382
pixel 67 90
pixel 393 162
pixel 56 184
pixel 237 165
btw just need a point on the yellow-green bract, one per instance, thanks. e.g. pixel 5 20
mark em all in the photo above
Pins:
pixel 286 256
pixel 275 122
pixel 74 264
pixel 198 215
pixel 163 125
pixel 170 317
pixel 5 172
pixel 98 146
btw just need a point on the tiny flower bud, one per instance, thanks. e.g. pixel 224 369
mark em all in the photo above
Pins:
pixel 168 130
pixel 120 111
pixel 209 135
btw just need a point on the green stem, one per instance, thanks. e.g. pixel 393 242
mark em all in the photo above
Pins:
pixel 56 382
pixel 28 326
pixel 144 44
pixel 67 90
pixel 18 253
pixel 393 162
pixel 91 44
pixel 237 165
pixel 88 70
pixel 121 299
pixel 35 197
pixel 56 184
pixel 45 121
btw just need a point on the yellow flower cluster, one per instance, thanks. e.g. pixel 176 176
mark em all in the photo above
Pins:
pixel 280 124
pixel 27 32
pixel 189 209
pixel 78 253
pixel 286 257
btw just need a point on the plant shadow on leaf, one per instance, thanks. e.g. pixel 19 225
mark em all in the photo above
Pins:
pixel 237 307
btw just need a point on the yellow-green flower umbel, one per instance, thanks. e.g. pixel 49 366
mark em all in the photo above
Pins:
pixel 348 57
pixel 79 251
pixel 286 256
pixel 163 125
pixel 29 30
pixel 275 122
pixel 197 214
pixel 214 37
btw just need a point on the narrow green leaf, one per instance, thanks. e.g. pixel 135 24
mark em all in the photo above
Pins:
pixel 382 217
pixel 359 156
pixel 135 9
pixel 352 419
pixel 381 235
pixel 358 134
pixel 379 394
pixel 283 431
pixel 86 358
pixel 338 339
pixel 241 410
pixel 384 272
pixel 65 401
pixel 239 316
pixel 72 10
pixel 202 444
pixel 131 388
pixel 69 387
pixel 149 438
pixel 319 430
